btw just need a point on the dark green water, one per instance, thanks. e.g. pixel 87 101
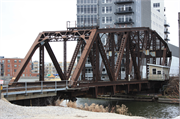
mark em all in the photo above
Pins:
pixel 144 109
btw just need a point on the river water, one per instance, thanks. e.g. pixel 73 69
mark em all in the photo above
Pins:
pixel 144 109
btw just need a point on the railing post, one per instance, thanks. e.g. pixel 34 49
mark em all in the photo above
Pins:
pixel 55 86
pixel 66 84
pixel 25 88
pixel 41 87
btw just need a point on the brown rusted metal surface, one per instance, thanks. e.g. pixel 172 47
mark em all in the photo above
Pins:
pixel 105 60
pixel 135 45
pixel 84 55
pixel 121 52
pixel 41 62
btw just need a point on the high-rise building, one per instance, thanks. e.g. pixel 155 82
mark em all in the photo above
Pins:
pixel 123 13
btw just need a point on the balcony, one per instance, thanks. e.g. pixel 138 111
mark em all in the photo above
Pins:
pixel 123 1
pixel 167 39
pixel 166 25
pixel 166 32
pixel 128 10
pixel 128 21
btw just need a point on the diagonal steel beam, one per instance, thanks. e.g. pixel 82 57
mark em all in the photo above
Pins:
pixel 164 56
pixel 105 60
pixel 84 55
pixel 73 58
pixel 136 68
pixel 54 60
pixel 120 56
pixel 102 63
pixel 26 60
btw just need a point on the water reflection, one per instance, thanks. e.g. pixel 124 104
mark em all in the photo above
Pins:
pixel 145 109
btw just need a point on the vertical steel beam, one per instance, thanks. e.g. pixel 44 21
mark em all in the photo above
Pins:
pixel 114 89
pixel 111 51
pixel 41 63
pixel 164 56
pixel 96 91
pixel 55 62
pixel 148 50
pixel 154 48
pixel 139 86
pixel 128 88
pixel 65 58
pixel 96 76
pixel 127 59
pixel 160 55
pixel 138 53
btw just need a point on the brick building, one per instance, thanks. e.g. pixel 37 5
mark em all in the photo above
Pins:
pixel 8 67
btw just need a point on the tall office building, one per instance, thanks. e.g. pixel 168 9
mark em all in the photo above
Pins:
pixel 121 14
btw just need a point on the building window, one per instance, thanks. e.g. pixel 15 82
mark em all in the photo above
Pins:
pixel 92 9
pixel 78 1
pixel 106 19
pixel 106 1
pixel 8 61
pixel 8 70
pixel 103 9
pixel 14 70
pixel 8 65
pixel 15 61
pixel 19 61
pixel 107 9
pixel 154 71
pixel 156 4
pixel 82 9
pixel 15 65
pixel 158 72
pixel 95 9
pixel 88 9
pixel 82 1
pixel 78 9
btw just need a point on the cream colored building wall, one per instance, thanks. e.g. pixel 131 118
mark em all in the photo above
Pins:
pixel 164 73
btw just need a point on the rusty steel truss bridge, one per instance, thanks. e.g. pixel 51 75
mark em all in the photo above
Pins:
pixel 138 46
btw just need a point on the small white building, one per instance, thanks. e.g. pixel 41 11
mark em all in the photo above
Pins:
pixel 158 72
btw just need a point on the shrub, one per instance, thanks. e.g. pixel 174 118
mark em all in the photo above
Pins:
pixel 58 102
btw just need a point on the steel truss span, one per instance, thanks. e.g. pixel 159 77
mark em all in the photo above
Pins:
pixel 136 46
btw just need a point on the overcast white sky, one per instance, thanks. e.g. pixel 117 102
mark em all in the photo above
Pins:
pixel 22 20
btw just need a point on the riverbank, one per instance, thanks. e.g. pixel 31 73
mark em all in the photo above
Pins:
pixel 9 111
pixel 143 98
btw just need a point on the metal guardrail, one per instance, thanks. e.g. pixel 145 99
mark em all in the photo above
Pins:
pixel 43 87
pixel 34 89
